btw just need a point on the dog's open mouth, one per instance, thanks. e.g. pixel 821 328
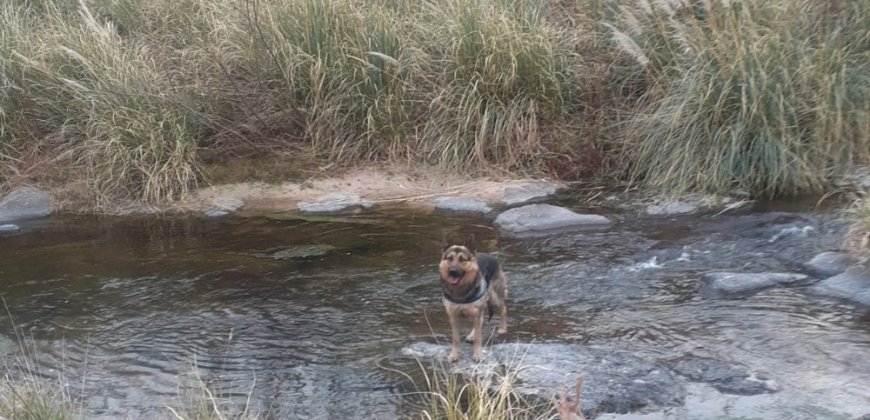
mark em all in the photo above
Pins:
pixel 454 280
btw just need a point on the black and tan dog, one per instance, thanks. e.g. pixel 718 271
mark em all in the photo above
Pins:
pixel 473 283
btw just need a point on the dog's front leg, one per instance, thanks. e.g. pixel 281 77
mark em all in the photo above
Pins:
pixel 453 315
pixel 477 319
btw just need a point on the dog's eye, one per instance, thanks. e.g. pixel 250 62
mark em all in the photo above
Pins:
pixel 461 259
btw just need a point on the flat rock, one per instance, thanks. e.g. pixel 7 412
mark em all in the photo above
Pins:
pixel 528 193
pixel 853 285
pixel 829 263
pixel 735 285
pixel 462 204
pixel 9 228
pixel 671 208
pixel 334 203
pixel 725 377
pixel 223 206
pixel 25 203
pixel 535 219
pixel 613 381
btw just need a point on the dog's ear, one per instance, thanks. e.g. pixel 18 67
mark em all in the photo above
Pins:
pixel 444 243
pixel 469 243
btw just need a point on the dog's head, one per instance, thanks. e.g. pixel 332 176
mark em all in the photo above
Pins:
pixel 458 263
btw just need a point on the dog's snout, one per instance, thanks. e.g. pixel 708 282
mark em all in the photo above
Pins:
pixel 454 272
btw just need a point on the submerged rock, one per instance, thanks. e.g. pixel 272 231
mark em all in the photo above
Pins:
pixel 25 203
pixel 9 228
pixel 829 263
pixel 536 219
pixel 462 204
pixel 734 285
pixel 528 193
pixel 726 378
pixel 296 252
pixel 334 203
pixel 613 381
pixel 852 285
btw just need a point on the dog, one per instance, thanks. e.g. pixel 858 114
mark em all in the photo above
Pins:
pixel 473 283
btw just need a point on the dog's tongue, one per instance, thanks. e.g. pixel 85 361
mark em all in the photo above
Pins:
pixel 454 280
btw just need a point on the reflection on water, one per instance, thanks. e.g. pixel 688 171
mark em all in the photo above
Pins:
pixel 127 306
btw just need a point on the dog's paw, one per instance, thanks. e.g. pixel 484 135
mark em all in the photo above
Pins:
pixel 453 357
pixel 470 337
pixel 477 357
pixel 501 330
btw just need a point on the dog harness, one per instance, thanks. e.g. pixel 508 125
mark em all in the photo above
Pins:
pixel 480 289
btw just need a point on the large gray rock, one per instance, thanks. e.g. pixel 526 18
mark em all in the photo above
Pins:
pixel 852 285
pixel 462 205
pixel 536 219
pixel 829 263
pixel 735 285
pixel 25 203
pixel 334 203
pixel 9 228
pixel 528 193
pixel 613 381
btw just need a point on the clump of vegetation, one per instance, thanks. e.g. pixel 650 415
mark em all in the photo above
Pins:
pixel 770 97
pixel 136 98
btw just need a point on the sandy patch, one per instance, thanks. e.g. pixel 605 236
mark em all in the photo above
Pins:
pixel 415 188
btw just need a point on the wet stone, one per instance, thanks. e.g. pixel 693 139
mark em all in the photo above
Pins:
pixel 613 381
pixel 25 203
pixel 852 285
pixel 462 204
pixel 538 219
pixel 334 203
pixel 735 285
pixel 724 377
pixel 829 263
pixel 528 193
pixel 9 228
pixel 296 252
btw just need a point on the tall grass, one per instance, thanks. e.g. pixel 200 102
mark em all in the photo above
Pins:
pixel 771 97
pixel 767 96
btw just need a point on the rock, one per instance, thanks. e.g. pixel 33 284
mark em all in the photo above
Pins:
pixel 334 203
pixel 528 193
pixel 852 285
pixel 535 219
pixel 25 203
pixel 296 252
pixel 613 381
pixel 735 285
pixel 726 378
pixel 462 204
pixel 829 263
pixel 9 228
pixel 223 206
pixel 671 208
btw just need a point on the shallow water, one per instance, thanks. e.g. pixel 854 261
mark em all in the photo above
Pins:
pixel 125 308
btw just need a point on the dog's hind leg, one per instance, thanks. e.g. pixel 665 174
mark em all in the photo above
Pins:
pixel 470 337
